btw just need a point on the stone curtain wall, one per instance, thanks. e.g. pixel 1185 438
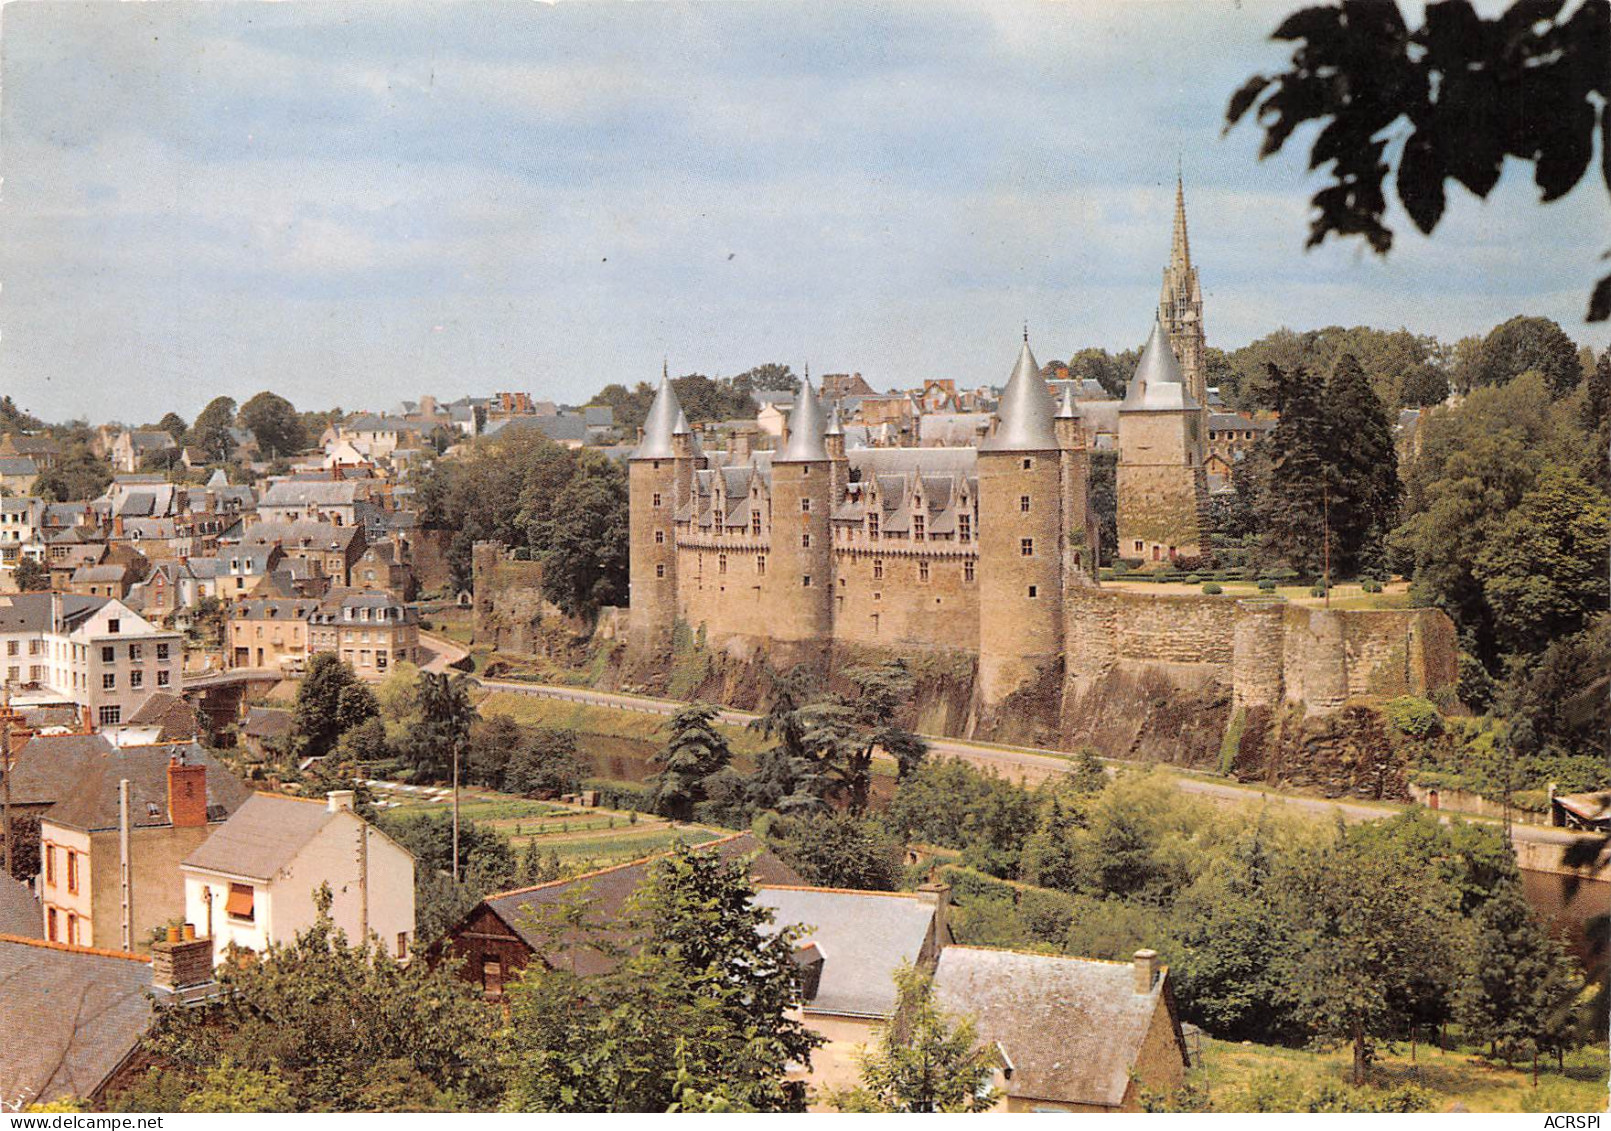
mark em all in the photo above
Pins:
pixel 509 606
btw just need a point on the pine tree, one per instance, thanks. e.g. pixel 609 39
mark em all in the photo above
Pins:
pixel 1362 483
pixel 693 752
pixel 1292 507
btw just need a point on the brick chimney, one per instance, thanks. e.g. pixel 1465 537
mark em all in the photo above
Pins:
pixel 340 800
pixel 88 720
pixel 182 964
pixel 187 793
pixel 1146 968
pixel 941 891
pixel 117 526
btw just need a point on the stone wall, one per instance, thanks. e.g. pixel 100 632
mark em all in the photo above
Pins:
pixel 885 599
pixel 509 607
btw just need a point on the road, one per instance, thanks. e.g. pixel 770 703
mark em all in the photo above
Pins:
pixel 1030 765
pixel 443 652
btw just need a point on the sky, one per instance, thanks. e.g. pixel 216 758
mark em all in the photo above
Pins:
pixel 355 204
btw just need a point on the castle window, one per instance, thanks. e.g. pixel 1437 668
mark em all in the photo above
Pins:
pixel 760 565
pixel 755 524
pixel 923 570
pixel 877 596
pixel 657 465
pixel 1140 546
pixel 1023 504
pixel 805 506
pixel 657 498
pixel 967 571
pixel 660 571
pixel 805 541
pixel 878 569
pixel 721 563
pixel 659 537
pixel 872 527
pixel 1034 592
pixel 1026 547
pixel 917 526
pixel 964 526
pixel 805 581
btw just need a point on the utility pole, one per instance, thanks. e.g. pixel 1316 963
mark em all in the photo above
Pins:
pixel 455 805
pixel 5 769
pixel 124 864
pixel 363 881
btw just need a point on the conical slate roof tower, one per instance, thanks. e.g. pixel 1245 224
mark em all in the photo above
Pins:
pixel 1026 410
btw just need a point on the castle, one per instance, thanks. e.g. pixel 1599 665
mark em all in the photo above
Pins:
pixel 989 551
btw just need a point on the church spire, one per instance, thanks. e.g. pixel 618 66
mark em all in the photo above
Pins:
pixel 1180 252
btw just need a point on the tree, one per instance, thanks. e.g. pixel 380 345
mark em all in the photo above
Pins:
pixel 546 763
pixel 14 419
pixel 695 1003
pixel 174 425
pixel 953 805
pixel 1474 92
pixel 1519 984
pixel 1366 928
pixel 1293 506
pixel 694 751
pixel 230 1087
pixel 31 575
pixel 1596 418
pixel 274 422
pixel 838 850
pixel 771 377
pixel 443 733
pixel 841 734
pixel 1543 573
pixel 317 1014
pixel 485 863
pixel 925 1061
pixel 211 433
pixel 328 701
pixel 1523 344
pixel 1363 482
pixel 586 558
pixel 79 474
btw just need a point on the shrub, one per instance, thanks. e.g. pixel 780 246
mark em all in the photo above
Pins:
pixel 1213 589
pixel 1371 585
pixel 1267 584
pixel 1414 716
pixel 1193 579
pixel 1129 564
pixel 1317 591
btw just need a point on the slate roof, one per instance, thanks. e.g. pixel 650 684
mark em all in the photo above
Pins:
pixel 609 889
pixel 1232 422
pixel 19 910
pixel 18 465
pixel 176 717
pixel 1025 412
pixel 658 425
pixel 1071 1027
pixel 263 722
pixel 298 493
pixel 30 612
pixel 1158 384
pixel 73 1016
pixel 316 535
pixel 863 936
pixel 557 428
pixel 264 835
pixel 92 801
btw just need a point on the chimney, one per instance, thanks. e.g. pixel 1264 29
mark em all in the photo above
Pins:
pixel 117 526
pixel 941 891
pixel 340 800
pixel 741 446
pixel 88 720
pixel 809 958
pixel 1146 967
pixel 180 964
pixel 187 793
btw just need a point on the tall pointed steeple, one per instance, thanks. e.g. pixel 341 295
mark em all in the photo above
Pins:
pixel 1180 305
pixel 1025 411
pixel 806 426
pixel 1180 250
pixel 661 423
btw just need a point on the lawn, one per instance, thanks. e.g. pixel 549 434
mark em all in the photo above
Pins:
pixel 586 718
pixel 1247 1077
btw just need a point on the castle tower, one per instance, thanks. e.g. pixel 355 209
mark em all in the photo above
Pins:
pixel 833 441
pixel 800 573
pixel 1082 544
pixel 1162 488
pixel 1020 537
pixel 653 491
pixel 1180 308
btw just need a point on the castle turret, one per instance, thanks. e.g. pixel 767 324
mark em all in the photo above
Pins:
pixel 800 573
pixel 1020 535
pixel 653 492
pixel 1081 534
pixel 1162 487
pixel 833 441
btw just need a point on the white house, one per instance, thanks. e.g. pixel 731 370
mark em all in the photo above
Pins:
pixel 255 879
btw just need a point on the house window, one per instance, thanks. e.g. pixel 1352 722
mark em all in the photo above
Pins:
pixel 110 716
pixel 923 570
pixel 1023 504
pixel 239 905
pixel 660 571
pixel 109 681
pixel 136 653
pixel 72 929
pixel 1026 547
pixel 760 564
pixel 11 647
pixel 112 625
pixel 1140 546
pixel 72 871
pixel 492 978
pixel 878 569
pixel 805 506
pixel 50 865
pixel 51 930
pixel 1028 463
pixel 1034 591
pixel 136 679
pixel 162 678
pixel 162 651
pixel 659 537
pixel 402 944
pixel 108 654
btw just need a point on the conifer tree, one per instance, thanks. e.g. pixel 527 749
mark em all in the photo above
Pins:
pixel 694 751
pixel 1292 508
pixel 1363 486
